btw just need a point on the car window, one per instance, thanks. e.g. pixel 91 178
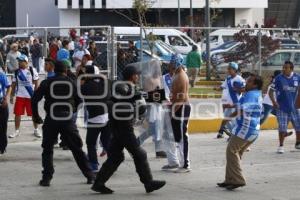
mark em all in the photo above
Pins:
pixel 187 40
pixel 227 38
pixel 176 41
pixel 213 38
pixel 279 58
pixel 297 59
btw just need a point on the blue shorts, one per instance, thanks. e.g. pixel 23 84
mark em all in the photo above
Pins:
pixel 284 118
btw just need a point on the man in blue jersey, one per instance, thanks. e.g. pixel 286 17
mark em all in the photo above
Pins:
pixel 286 87
pixel 244 133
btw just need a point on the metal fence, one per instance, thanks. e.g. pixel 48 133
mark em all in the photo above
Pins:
pixel 256 50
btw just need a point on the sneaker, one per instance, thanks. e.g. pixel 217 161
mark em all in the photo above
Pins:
pixel 220 135
pixel 36 133
pixel 154 185
pixel 169 167
pixel 280 150
pixel 45 182
pixel 15 134
pixel 182 170
pixel 101 189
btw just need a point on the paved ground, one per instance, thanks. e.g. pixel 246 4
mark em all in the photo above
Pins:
pixel 270 176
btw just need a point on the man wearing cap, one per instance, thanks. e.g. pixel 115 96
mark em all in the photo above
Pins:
pixel 125 98
pixel 232 89
pixel 181 110
pixel 24 82
pixel 61 101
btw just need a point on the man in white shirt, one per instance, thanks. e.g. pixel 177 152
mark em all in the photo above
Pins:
pixel 25 81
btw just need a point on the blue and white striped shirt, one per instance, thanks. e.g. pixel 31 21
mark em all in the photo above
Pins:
pixel 248 124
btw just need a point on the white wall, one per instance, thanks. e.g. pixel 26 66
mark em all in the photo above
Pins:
pixel 250 16
pixel 197 3
pixel 68 18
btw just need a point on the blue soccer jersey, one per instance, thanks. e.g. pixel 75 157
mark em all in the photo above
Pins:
pixel 248 124
pixel 286 91
pixel 4 84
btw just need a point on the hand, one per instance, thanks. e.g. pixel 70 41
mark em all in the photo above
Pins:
pixel 11 100
pixel 4 103
pixel 275 105
pixel 37 120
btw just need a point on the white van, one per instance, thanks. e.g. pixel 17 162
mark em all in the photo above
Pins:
pixel 180 41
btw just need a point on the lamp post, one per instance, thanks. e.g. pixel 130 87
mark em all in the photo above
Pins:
pixel 207 20
pixel 179 14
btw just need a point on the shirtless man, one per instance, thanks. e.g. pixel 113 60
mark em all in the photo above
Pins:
pixel 181 110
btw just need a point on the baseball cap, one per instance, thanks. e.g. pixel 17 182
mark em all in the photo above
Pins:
pixel 129 71
pixel 234 65
pixel 22 57
pixel 176 60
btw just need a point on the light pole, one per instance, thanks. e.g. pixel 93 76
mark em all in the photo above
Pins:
pixel 179 14
pixel 192 18
pixel 207 20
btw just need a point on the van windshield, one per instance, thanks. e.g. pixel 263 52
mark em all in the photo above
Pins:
pixel 188 40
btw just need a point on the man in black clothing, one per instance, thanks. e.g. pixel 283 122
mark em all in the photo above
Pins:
pixel 124 137
pixel 61 101
pixel 96 96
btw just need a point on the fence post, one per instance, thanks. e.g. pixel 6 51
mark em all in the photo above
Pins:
pixel 259 51
pixel 45 43
pixel 113 55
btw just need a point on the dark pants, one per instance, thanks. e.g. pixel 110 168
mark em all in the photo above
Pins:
pixel 93 132
pixel 71 137
pixel 3 128
pixel 180 124
pixel 36 63
pixel 123 137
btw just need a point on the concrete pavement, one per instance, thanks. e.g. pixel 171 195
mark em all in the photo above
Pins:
pixel 270 176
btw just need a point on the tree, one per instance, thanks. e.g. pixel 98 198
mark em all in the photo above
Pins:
pixel 248 52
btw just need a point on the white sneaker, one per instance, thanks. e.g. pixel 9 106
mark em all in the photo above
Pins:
pixel 182 170
pixel 15 134
pixel 280 150
pixel 37 134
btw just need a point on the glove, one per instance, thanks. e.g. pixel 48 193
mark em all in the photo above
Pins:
pixel 37 120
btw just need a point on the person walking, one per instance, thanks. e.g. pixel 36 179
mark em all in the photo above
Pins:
pixel 181 111
pixel 36 54
pixel 63 53
pixel 11 58
pixel 124 137
pixel 93 88
pixel 230 96
pixel 61 101
pixel 286 87
pixel 245 132
pixel 5 90
pixel 193 64
pixel 25 81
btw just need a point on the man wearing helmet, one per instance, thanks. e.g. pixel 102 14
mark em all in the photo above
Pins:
pixel 181 110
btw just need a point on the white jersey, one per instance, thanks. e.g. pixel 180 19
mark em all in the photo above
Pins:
pixel 21 90
pixel 226 94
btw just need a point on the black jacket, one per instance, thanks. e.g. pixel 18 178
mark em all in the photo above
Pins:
pixel 96 91
pixel 64 91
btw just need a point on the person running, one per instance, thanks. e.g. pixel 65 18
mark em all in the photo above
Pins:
pixel 230 96
pixel 193 64
pixel 24 82
pixel 5 90
pixel 286 87
pixel 245 132
pixel 125 96
pixel 92 89
pixel 181 110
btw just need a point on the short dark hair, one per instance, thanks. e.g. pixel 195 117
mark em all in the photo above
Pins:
pixel 195 48
pixel 50 60
pixel 258 81
pixel 60 67
pixel 65 43
pixel 289 63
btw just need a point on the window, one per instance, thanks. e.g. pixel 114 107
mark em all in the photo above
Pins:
pixel 176 41
pixel 187 40
pixel 297 59
pixel 279 58
pixel 227 38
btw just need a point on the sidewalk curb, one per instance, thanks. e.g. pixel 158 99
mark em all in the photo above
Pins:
pixel 212 125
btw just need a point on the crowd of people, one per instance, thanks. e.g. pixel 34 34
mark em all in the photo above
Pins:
pixel 111 109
